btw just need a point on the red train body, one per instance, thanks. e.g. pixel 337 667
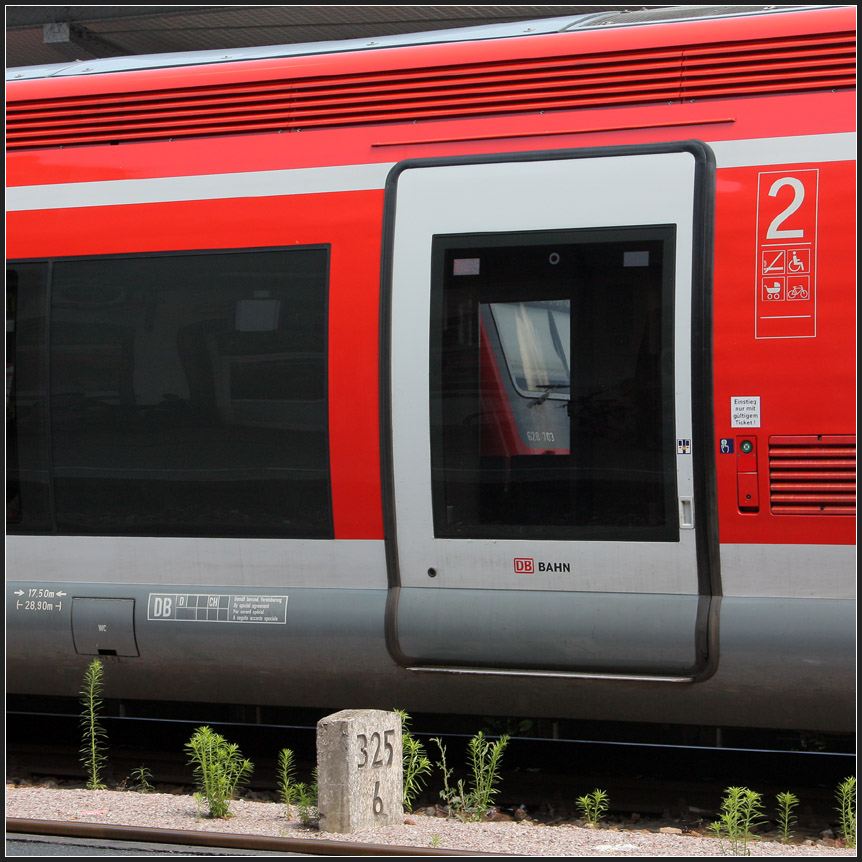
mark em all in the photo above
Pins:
pixel 473 547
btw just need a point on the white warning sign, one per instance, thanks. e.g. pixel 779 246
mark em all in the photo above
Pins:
pixel 217 608
pixel 745 411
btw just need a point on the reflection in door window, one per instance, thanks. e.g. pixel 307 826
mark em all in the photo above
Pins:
pixel 552 385
pixel 534 338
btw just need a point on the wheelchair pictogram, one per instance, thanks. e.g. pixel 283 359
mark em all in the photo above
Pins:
pixel 798 260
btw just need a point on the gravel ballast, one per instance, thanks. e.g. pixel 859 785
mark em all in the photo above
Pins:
pixel 169 811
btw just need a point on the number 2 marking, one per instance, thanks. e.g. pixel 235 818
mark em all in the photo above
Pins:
pixel 775 231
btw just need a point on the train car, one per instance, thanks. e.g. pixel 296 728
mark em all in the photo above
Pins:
pixel 502 371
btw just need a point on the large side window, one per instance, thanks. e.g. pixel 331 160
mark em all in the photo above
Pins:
pixel 27 487
pixel 552 385
pixel 188 394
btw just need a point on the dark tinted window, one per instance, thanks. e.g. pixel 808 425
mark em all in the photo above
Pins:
pixel 188 394
pixel 27 488
pixel 552 385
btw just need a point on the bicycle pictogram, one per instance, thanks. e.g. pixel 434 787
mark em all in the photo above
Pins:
pixel 798 289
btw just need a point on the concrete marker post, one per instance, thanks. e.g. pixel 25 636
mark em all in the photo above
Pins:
pixel 360 773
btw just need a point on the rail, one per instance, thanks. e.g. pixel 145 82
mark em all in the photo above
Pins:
pixel 221 840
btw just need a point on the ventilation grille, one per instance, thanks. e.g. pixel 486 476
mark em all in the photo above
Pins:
pixel 593 80
pixel 812 475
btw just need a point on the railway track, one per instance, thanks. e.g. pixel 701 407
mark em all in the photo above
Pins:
pixel 219 841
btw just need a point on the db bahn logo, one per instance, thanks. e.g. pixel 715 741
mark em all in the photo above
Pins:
pixel 528 566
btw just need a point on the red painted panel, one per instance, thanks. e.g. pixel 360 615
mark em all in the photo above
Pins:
pixel 806 385
pixel 730 119
pixel 536 84
pixel 354 374
pixel 349 222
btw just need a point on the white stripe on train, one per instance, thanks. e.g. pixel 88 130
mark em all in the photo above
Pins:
pixel 346 178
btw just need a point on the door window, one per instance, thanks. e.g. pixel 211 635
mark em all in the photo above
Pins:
pixel 552 385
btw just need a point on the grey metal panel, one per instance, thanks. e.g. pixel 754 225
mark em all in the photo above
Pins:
pixel 199 35
pixel 621 632
pixel 328 648
pixel 669 14
pixel 784 663
pixel 198 58
pixel 104 626
pixel 323 563
pixel 789 571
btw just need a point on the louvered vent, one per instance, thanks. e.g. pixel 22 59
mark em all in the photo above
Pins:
pixel 595 80
pixel 812 475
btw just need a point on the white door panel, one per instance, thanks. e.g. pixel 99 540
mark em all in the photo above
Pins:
pixel 550 243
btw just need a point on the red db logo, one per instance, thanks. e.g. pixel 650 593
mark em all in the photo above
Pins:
pixel 524 565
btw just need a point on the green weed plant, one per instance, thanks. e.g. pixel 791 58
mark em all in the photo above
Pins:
pixel 786 820
pixel 483 758
pixel 306 802
pixel 741 811
pixel 593 806
pixel 285 778
pixel 846 796
pixel 416 763
pixel 293 792
pixel 94 737
pixel 219 769
pixel 141 778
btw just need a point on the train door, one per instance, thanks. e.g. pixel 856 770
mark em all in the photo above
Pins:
pixel 548 505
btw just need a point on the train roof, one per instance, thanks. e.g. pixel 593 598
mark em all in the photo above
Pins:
pixel 545 26
pixel 597 60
